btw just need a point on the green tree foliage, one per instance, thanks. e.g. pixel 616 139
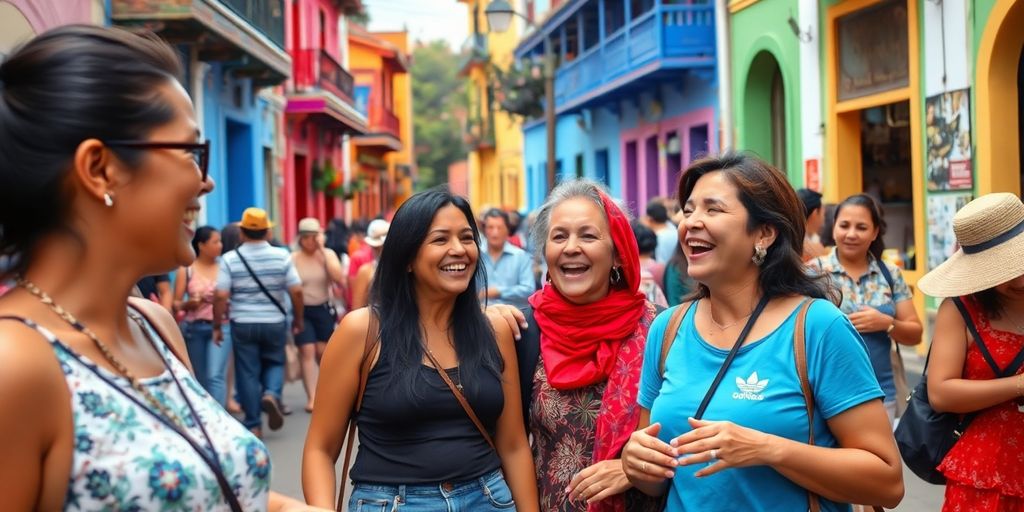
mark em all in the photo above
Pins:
pixel 438 100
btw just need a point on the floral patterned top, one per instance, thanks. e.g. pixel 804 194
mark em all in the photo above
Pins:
pixel 126 460
pixel 563 426
pixel 870 290
pixel 988 456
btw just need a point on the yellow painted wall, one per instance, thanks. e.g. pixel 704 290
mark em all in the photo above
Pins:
pixel 490 168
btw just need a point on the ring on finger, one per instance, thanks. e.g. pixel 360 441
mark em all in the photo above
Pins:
pixel 714 454
pixel 643 467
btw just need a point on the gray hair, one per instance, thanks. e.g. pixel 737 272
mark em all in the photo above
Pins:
pixel 571 189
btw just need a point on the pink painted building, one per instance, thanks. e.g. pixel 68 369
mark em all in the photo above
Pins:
pixel 320 112
pixel 20 20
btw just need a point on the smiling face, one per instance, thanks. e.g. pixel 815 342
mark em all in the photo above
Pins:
pixel 714 235
pixel 158 205
pixel 579 251
pixel 447 258
pixel 854 231
pixel 1012 290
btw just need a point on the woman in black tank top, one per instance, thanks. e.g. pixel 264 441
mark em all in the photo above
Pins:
pixel 418 447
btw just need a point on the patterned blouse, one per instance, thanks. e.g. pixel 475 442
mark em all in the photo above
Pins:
pixel 563 426
pixel 126 460
pixel 870 290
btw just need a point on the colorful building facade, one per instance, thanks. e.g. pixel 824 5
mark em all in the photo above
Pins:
pixel 917 103
pixel 635 95
pixel 383 161
pixel 234 54
pixel 495 138
pixel 21 20
pixel 320 113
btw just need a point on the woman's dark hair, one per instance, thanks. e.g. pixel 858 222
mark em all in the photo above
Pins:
pixel 202 236
pixel 877 218
pixel 393 297
pixel 230 238
pixel 67 85
pixel 810 199
pixel 337 236
pixel 646 240
pixel 991 303
pixel 769 200
pixel 827 239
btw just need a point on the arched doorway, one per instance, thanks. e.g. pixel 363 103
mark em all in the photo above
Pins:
pixel 764 106
pixel 1000 98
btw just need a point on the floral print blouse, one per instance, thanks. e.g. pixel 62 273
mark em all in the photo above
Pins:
pixel 870 290
pixel 126 460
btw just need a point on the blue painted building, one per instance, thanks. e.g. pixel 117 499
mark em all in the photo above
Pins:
pixel 233 53
pixel 635 94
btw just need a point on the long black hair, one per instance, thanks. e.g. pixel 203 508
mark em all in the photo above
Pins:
pixel 202 236
pixel 70 84
pixel 769 200
pixel 877 218
pixel 393 296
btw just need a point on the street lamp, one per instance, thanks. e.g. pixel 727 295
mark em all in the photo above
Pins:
pixel 499 16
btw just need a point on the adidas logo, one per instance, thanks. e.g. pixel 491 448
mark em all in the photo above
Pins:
pixel 750 389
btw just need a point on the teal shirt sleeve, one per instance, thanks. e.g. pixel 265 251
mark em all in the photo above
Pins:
pixel 650 376
pixel 837 361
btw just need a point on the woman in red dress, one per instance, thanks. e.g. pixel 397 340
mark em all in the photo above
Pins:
pixel 985 469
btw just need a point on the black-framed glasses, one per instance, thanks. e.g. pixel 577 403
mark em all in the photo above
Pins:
pixel 200 150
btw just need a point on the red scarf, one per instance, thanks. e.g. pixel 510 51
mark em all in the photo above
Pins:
pixel 581 343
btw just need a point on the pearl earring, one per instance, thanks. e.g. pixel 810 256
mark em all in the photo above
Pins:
pixel 108 200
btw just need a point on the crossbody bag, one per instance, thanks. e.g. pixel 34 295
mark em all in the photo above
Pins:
pixel 259 283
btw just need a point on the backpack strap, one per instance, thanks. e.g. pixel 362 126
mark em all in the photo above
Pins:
pixel 800 354
pixel 671 330
pixel 370 349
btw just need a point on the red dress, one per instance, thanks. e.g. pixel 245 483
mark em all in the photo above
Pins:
pixel 985 469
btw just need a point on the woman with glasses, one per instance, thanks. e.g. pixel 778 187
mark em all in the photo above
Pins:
pixel 100 180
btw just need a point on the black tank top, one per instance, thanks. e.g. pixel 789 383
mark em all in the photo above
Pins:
pixel 426 438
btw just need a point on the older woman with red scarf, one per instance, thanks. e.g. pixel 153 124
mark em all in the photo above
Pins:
pixel 581 355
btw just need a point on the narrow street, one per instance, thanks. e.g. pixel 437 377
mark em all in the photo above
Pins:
pixel 286 450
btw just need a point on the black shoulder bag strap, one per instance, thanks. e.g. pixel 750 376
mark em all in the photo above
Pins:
pixel 1004 372
pixel 260 284
pixel 732 355
pixel 884 269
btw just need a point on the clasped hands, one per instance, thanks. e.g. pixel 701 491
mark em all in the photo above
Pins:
pixel 719 444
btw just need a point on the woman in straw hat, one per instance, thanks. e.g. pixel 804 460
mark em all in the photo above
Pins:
pixel 987 277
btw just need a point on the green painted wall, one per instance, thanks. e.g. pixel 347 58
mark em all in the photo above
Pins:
pixel 763 27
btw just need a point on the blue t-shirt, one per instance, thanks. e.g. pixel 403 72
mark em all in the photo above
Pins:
pixel 760 390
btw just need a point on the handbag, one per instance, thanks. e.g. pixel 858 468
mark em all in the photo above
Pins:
pixel 292 364
pixel 924 436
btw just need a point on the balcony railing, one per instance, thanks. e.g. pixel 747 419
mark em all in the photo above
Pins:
pixel 267 16
pixel 479 133
pixel 335 78
pixel 387 121
pixel 668 31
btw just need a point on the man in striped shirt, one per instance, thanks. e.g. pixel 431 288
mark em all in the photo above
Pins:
pixel 257 277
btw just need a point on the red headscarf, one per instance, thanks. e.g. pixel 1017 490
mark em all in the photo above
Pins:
pixel 583 344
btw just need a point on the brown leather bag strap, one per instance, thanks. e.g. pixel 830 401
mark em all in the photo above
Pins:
pixel 800 352
pixel 462 399
pixel 670 333
pixel 370 348
pixel 136 303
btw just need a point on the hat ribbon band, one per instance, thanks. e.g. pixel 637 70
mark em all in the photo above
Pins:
pixel 999 240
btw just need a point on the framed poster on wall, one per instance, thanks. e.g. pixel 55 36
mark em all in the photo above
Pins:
pixel 948 140
pixel 941 239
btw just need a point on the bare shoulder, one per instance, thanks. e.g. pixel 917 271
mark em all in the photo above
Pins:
pixel 351 332
pixel 31 372
pixel 502 333
pixel 164 323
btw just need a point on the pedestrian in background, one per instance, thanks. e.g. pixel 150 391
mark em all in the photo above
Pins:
pixel 658 221
pixel 101 177
pixel 194 288
pixel 815 218
pixel 745 444
pixel 986 275
pixel 363 278
pixel 319 269
pixel 508 269
pixel 875 297
pixel 256 276
pixel 678 283
pixel 419 449
pixel 581 354
pixel 652 273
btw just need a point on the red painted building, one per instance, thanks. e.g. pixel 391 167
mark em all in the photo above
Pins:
pixel 320 114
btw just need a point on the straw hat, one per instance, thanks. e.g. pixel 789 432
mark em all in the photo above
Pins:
pixel 377 232
pixel 309 226
pixel 255 219
pixel 990 232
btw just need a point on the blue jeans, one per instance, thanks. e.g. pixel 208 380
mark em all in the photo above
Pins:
pixel 217 367
pixel 485 494
pixel 198 338
pixel 259 365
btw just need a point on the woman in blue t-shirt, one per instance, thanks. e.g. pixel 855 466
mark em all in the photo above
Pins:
pixel 742 237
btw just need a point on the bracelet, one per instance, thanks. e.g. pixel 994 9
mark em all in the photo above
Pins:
pixel 891 327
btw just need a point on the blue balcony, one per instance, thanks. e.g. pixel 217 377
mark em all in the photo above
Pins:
pixel 652 46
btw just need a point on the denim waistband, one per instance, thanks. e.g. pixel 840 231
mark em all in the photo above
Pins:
pixel 437 489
